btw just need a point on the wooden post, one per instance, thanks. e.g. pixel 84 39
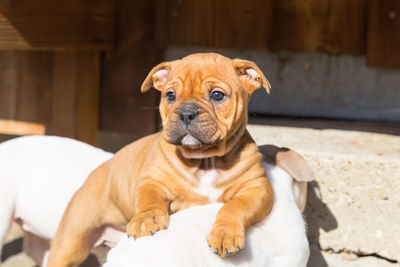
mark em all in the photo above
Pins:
pixel 383 34
pixel 123 107
pixel 87 96
pixel 75 95
pixel 25 80
pixel 63 94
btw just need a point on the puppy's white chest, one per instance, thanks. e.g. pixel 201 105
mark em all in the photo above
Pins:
pixel 206 186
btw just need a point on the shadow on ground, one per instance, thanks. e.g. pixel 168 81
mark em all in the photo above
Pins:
pixel 319 124
pixel 318 216
pixel 15 247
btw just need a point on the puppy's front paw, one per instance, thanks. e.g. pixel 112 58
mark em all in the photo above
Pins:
pixel 226 239
pixel 146 223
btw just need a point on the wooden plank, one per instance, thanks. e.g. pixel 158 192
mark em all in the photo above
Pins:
pixel 21 127
pixel 383 34
pixel 87 96
pixel 8 84
pixel 332 26
pixel 34 82
pixel 123 107
pixel 49 24
pixel 223 23
pixel 63 94
pixel 59 90
pixel 24 86
pixel 346 28
pixel 75 95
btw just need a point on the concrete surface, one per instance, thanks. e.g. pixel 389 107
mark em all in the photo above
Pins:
pixel 353 209
pixel 321 259
pixel 317 84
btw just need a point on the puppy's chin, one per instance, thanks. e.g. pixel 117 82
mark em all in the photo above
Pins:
pixel 190 141
pixel 198 149
pixel 191 147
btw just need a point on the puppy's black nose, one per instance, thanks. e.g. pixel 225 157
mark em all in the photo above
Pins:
pixel 187 114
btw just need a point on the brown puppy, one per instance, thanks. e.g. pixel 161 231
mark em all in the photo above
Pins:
pixel 203 154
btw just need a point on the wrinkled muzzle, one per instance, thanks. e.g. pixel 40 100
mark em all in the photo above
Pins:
pixel 191 126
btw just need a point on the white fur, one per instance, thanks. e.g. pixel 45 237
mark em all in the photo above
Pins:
pixel 252 73
pixel 277 241
pixel 189 140
pixel 161 75
pixel 38 176
pixel 206 185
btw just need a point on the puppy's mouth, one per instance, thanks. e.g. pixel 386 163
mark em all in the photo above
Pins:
pixel 192 127
pixel 189 140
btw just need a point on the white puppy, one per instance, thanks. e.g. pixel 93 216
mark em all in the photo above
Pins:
pixel 39 175
pixel 277 241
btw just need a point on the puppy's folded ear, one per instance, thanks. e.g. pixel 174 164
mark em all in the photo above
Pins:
pixel 293 163
pixel 288 160
pixel 251 75
pixel 157 77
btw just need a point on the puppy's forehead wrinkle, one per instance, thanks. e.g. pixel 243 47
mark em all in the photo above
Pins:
pixel 195 69
pixel 211 58
pixel 174 83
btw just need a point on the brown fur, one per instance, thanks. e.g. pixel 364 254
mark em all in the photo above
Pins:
pixel 151 178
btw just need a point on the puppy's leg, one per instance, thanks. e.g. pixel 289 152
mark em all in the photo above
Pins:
pixel 151 206
pixel 81 225
pixel 36 247
pixel 75 235
pixel 6 216
pixel 250 204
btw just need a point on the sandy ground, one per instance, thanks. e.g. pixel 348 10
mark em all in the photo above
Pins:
pixel 350 210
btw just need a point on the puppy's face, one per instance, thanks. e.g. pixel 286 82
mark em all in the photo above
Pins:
pixel 204 101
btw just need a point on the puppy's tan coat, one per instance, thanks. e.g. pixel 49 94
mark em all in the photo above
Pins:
pixel 204 114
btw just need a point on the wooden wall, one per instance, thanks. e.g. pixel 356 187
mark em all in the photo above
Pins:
pixel 370 27
pixel 25 79
pixel 335 26
pixel 58 90
pixel 355 27
pixel 222 23
pixel 70 88
pixel 123 107
pixel 384 33
pixel 49 24
pixel 93 55
pixel 50 65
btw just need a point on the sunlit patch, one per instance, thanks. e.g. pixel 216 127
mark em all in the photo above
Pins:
pixel 21 127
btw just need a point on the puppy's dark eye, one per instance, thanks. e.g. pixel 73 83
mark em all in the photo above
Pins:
pixel 217 96
pixel 170 96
